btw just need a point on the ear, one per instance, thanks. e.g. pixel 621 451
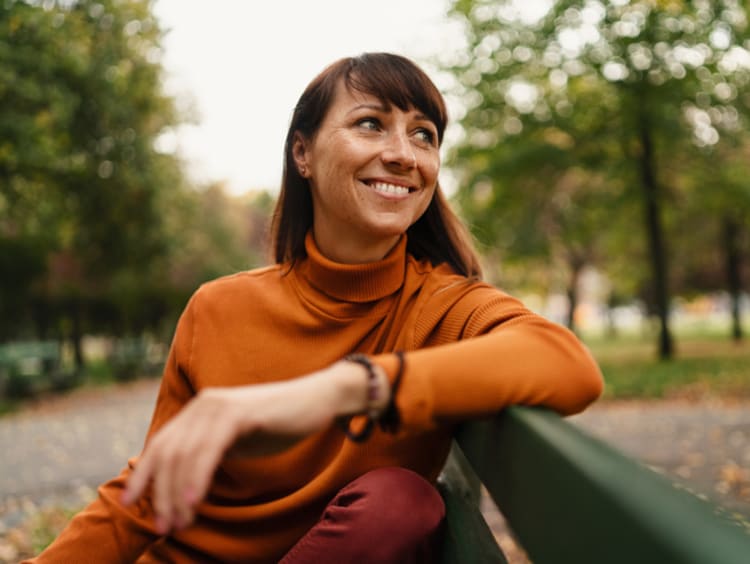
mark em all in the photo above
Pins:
pixel 300 154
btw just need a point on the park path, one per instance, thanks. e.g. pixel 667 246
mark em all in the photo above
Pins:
pixel 57 450
pixel 704 445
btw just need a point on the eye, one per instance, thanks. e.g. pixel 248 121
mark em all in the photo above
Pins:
pixel 425 135
pixel 369 123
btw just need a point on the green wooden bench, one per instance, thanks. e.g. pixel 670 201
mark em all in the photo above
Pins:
pixel 30 366
pixel 570 498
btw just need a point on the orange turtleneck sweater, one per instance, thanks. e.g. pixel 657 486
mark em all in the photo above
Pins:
pixel 470 351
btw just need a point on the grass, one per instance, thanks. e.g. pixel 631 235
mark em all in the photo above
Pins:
pixel 702 367
pixel 39 528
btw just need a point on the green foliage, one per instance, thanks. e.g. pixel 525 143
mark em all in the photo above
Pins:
pixel 80 109
pixel 597 115
pixel 99 231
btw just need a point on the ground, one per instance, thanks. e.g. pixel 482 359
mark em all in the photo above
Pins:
pixel 57 450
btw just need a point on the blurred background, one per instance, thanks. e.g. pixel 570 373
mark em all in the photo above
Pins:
pixel 599 151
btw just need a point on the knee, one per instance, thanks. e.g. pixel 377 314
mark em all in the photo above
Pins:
pixel 386 515
pixel 402 500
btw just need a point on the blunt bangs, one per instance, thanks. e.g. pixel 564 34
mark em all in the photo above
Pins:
pixel 395 80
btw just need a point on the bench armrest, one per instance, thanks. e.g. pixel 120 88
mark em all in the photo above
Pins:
pixel 571 498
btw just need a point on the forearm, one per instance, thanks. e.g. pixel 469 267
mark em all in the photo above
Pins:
pixel 526 361
pixel 305 404
pixel 253 420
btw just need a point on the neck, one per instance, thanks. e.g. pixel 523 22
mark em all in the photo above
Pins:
pixel 353 283
pixel 354 250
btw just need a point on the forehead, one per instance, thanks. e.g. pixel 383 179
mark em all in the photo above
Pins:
pixel 344 94
pixel 346 98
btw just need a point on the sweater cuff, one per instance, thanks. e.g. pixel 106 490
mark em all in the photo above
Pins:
pixel 414 403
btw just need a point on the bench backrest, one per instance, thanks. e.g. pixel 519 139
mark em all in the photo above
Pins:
pixel 572 499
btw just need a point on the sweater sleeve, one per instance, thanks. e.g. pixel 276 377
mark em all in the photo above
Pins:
pixel 498 353
pixel 106 530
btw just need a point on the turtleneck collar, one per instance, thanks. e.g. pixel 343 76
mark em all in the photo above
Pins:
pixel 354 282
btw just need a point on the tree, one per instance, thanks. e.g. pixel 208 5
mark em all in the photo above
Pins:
pixel 532 187
pixel 34 117
pixel 718 197
pixel 81 108
pixel 643 64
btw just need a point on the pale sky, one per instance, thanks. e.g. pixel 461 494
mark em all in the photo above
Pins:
pixel 243 63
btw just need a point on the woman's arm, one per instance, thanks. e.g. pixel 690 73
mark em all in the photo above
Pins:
pixel 180 460
pixel 502 354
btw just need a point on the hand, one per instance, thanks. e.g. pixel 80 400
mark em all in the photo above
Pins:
pixel 182 457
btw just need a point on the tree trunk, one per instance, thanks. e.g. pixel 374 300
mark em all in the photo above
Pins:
pixel 731 234
pixel 652 205
pixel 77 337
pixel 41 314
pixel 576 266
pixel 611 330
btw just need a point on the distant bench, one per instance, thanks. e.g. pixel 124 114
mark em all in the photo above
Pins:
pixel 28 366
pixel 571 499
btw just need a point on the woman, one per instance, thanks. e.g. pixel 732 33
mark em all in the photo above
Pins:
pixel 268 440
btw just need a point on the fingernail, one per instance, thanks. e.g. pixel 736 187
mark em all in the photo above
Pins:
pixel 162 527
pixel 125 498
pixel 189 495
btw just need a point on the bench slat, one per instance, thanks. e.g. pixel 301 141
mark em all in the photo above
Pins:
pixel 466 536
pixel 572 499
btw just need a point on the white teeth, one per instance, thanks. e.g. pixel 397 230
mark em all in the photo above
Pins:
pixel 390 188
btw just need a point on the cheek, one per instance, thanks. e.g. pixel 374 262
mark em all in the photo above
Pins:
pixel 430 170
pixel 424 203
pixel 338 159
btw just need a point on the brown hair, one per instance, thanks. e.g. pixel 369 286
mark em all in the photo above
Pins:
pixel 438 234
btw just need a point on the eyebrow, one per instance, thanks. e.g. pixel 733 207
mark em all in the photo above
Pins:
pixel 423 117
pixel 376 107
pixel 382 108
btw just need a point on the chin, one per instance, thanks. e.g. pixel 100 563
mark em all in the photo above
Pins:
pixel 390 226
pixel 390 231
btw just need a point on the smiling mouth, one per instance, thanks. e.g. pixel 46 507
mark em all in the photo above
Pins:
pixel 385 188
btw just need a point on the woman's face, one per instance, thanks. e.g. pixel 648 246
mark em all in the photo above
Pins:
pixel 372 171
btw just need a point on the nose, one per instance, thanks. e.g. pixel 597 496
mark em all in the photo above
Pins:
pixel 399 152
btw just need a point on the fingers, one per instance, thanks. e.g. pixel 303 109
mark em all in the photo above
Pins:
pixel 138 479
pixel 180 461
pixel 150 467
pixel 161 500
pixel 193 468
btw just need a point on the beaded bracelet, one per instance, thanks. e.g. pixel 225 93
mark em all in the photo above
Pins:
pixel 372 393
pixel 389 419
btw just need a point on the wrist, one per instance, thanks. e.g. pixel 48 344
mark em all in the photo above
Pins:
pixel 362 389
pixel 376 406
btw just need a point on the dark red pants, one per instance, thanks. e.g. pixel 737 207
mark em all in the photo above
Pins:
pixel 387 516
